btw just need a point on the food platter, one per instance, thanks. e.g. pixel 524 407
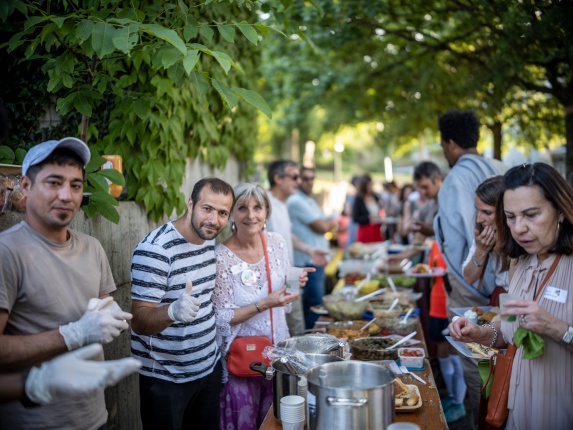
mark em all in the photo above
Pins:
pixel 464 349
pixel 412 389
pixel 436 271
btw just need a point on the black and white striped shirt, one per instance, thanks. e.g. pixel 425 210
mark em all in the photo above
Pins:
pixel 160 267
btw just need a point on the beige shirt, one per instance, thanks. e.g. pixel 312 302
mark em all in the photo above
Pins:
pixel 44 284
pixel 541 389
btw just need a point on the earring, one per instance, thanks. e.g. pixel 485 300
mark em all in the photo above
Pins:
pixel 233 226
pixel 264 226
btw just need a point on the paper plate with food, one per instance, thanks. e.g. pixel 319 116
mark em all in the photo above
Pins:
pixel 406 397
pixel 479 315
pixel 473 350
pixel 422 270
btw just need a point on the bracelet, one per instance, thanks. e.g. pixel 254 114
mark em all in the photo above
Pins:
pixel 494 334
pixel 476 263
pixel 257 306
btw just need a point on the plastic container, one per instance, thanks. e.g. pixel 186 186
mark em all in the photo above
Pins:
pixel 113 162
pixel 412 361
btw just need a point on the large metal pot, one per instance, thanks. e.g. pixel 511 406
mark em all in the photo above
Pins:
pixel 313 344
pixel 350 395
pixel 285 378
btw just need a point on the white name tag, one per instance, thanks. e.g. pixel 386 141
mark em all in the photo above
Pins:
pixel 237 268
pixel 555 294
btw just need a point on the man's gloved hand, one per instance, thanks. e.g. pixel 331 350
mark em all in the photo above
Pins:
pixel 103 321
pixel 74 373
pixel 186 307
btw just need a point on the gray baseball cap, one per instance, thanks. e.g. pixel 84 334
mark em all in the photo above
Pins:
pixel 40 152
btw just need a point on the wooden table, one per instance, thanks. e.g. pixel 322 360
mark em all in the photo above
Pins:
pixel 429 417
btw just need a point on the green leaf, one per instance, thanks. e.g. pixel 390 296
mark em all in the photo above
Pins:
pixel 102 39
pixel 249 32
pixel 103 197
pixel 141 108
pixel 98 182
pixel 226 93
pixel 31 22
pixel 223 62
pixel 84 30
pixel 190 60
pixel 108 212
pixel 227 32
pixel 59 21
pixel 90 209
pixel 68 81
pixel 95 163
pixel 183 7
pixel 66 104
pixel 20 154
pixel 82 104
pixel 169 36
pixel 170 56
pixel 113 175
pixel 6 152
pixel 255 99
pixel 207 32
pixel 199 82
pixel 121 40
pixel 189 32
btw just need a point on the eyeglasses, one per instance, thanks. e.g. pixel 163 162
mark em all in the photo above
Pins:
pixel 293 177
pixel 307 178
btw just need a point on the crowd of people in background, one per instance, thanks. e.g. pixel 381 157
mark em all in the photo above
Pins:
pixel 490 229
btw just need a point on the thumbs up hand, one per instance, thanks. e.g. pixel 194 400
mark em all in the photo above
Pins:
pixel 186 307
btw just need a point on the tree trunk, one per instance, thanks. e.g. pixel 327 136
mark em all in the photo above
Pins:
pixel 569 140
pixel 497 136
pixel 84 129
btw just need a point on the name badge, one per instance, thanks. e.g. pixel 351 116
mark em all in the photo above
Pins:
pixel 238 268
pixel 555 294
pixel 249 278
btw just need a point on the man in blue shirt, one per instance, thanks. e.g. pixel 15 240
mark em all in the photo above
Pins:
pixel 309 224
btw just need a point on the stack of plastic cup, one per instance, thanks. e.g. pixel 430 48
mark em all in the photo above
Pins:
pixel 292 412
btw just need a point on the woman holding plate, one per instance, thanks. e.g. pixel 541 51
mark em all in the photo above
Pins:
pixel 243 304
pixel 534 219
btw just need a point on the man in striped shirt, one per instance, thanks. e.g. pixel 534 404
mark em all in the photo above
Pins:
pixel 173 328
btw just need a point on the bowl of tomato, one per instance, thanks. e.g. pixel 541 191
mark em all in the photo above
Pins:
pixel 412 357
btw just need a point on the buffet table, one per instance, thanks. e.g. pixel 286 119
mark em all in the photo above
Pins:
pixel 429 417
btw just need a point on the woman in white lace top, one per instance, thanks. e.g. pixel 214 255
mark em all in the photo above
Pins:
pixel 243 304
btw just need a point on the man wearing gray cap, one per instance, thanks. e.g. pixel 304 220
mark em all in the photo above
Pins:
pixel 54 286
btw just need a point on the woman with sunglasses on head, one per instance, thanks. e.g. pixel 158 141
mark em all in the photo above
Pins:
pixel 534 219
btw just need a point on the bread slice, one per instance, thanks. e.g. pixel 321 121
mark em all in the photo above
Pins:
pixel 400 389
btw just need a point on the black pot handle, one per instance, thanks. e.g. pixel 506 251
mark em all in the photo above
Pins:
pixel 257 366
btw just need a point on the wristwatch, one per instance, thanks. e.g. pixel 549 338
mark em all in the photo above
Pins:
pixel 568 336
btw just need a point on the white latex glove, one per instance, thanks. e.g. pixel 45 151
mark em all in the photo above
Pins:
pixel 103 322
pixel 74 373
pixel 186 307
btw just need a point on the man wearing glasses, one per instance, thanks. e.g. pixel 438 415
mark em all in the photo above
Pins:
pixel 309 224
pixel 284 181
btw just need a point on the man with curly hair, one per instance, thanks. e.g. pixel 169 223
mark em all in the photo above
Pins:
pixel 454 223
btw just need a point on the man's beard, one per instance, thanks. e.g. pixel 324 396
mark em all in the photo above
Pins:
pixel 197 228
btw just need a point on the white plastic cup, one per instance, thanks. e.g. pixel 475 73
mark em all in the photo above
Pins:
pixel 293 426
pixel 293 280
pixel 403 426
pixel 292 409
pixel 502 299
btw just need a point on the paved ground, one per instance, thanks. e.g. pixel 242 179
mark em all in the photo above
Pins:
pixel 462 424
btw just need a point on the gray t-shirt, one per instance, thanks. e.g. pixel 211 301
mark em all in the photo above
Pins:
pixel 44 284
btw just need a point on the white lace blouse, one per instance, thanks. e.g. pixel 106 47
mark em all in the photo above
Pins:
pixel 234 290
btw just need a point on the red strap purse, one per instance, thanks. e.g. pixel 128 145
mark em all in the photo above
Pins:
pixel 248 349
